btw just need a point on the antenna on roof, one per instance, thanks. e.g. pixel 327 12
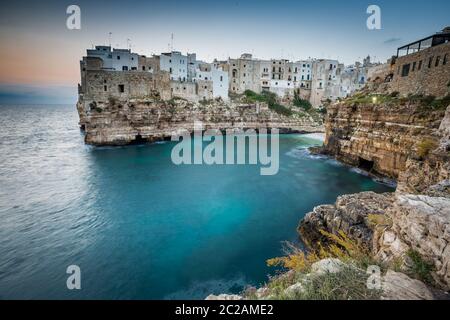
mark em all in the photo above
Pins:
pixel 128 44
pixel 109 38
pixel 171 42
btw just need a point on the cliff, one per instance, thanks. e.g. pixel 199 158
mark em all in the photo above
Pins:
pixel 117 122
pixel 408 140
pixel 380 137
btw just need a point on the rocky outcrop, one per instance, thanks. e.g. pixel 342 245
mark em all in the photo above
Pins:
pixel 115 122
pixel 349 214
pixel 398 286
pixel 420 223
pixel 414 218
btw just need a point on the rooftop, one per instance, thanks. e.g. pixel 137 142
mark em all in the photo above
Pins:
pixel 425 43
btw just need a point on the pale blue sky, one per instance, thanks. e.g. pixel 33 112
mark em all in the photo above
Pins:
pixel 40 53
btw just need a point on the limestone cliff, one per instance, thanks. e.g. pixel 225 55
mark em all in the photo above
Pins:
pixel 409 143
pixel 117 122
pixel 379 137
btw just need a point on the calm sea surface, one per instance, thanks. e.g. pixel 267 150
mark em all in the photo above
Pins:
pixel 138 226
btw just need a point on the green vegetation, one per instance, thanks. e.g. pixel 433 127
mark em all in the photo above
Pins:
pixel 94 107
pixel 425 147
pixel 348 283
pixel 299 102
pixel 270 98
pixel 205 102
pixel 427 103
pixel 420 269
pixel 379 220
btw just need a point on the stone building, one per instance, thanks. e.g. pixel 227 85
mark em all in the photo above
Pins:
pixel 214 73
pixel 176 64
pixel 100 84
pixel 115 59
pixel 423 67
pixel 150 64
pixel 326 81
pixel 244 74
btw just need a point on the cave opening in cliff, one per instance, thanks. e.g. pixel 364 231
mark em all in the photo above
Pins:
pixel 366 165
pixel 138 139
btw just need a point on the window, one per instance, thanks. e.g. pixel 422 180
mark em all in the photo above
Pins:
pixel 438 59
pixel 414 66
pixel 221 78
pixel 143 68
pixel 118 57
pixel 430 62
pixel 170 70
pixel 405 70
pixel 105 88
pixel 121 88
pixel 124 68
pixel 273 69
pixel 444 62
pixel 295 70
pixel 420 65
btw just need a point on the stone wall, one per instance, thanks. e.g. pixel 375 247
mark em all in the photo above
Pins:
pixel 102 84
pixel 428 75
pixel 185 90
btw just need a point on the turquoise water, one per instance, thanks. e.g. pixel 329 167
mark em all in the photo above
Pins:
pixel 137 225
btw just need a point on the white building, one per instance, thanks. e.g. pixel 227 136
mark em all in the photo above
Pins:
pixel 117 59
pixel 176 64
pixel 214 73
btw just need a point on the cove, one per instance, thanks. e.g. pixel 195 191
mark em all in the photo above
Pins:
pixel 139 226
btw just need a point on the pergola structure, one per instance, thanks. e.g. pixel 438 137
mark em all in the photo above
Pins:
pixel 434 40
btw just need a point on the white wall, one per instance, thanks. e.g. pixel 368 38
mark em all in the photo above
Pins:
pixel 176 64
pixel 116 59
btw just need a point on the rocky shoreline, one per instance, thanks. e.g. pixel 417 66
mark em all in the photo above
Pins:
pixel 115 122
pixel 415 217
pixel 407 231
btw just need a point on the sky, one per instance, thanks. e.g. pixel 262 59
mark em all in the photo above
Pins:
pixel 39 56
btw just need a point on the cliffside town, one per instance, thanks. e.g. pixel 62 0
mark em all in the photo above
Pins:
pixel 397 127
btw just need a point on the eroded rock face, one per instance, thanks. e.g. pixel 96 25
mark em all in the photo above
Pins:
pixel 420 223
pixel 398 286
pixel 349 214
pixel 417 215
pixel 123 122
pixel 378 137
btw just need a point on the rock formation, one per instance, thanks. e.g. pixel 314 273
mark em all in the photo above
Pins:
pixel 115 122
pixel 417 216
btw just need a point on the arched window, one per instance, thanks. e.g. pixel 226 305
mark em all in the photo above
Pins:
pixel 444 62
